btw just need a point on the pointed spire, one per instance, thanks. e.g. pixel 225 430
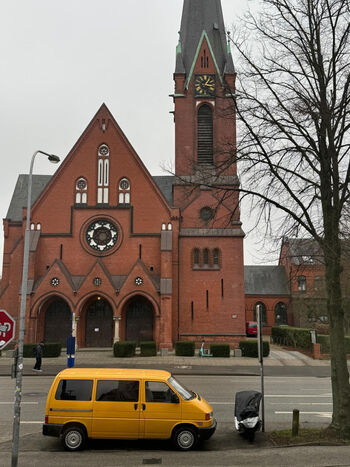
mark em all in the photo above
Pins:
pixel 199 16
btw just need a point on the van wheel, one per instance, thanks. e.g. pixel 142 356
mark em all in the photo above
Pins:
pixel 73 438
pixel 185 438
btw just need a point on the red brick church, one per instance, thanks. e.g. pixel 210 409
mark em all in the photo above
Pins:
pixel 116 254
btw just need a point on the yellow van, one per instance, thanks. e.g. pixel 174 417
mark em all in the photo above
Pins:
pixel 125 404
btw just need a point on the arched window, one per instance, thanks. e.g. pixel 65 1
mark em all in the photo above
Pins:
pixel 206 257
pixel 301 283
pixel 262 311
pixel 216 257
pixel 124 191
pixel 81 191
pixel 196 257
pixel 281 314
pixel 102 174
pixel 32 226
pixel 38 226
pixel 205 135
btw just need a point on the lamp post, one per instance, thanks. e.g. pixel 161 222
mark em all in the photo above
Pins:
pixel 19 370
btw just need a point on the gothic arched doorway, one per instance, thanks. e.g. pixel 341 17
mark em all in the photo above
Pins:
pixel 281 314
pixel 58 322
pixel 139 320
pixel 99 324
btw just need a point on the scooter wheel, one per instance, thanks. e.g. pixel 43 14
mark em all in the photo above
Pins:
pixel 251 436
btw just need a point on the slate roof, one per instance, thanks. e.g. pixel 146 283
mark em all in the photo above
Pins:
pixel 19 197
pixel 304 251
pixel 265 280
pixel 199 16
pixel 39 182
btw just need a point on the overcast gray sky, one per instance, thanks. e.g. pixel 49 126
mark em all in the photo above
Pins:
pixel 60 60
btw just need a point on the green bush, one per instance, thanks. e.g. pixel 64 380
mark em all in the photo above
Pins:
pixel 124 349
pixel 50 350
pixel 292 337
pixel 326 346
pixel 148 349
pixel 220 350
pixel 184 348
pixel 250 348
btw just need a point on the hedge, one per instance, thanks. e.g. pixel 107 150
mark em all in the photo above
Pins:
pixel 325 343
pixel 220 350
pixel 148 349
pixel 292 337
pixel 184 348
pixel 250 348
pixel 124 349
pixel 50 350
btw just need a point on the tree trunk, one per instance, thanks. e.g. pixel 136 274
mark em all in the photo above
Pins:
pixel 339 368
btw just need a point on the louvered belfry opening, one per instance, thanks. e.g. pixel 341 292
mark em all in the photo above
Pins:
pixel 205 135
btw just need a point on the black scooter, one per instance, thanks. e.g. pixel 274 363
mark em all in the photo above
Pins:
pixel 247 421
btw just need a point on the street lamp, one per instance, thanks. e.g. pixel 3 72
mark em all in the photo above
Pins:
pixel 19 370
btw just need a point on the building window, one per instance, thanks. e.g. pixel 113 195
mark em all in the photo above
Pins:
pixel 302 283
pixel 262 311
pixel 124 191
pixel 206 257
pixel 196 257
pixel 216 257
pixel 81 191
pixel 205 135
pixel 281 314
pixel 102 174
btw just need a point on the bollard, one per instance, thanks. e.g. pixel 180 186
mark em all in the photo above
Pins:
pixel 295 424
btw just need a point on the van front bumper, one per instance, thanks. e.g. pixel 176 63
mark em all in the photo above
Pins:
pixel 52 429
pixel 207 432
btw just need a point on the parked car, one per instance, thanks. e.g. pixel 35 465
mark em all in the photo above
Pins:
pixel 125 404
pixel 251 329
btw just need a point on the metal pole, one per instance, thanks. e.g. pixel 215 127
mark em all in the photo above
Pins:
pixel 19 373
pixel 261 361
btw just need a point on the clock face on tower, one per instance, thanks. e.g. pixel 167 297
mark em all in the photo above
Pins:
pixel 102 235
pixel 204 85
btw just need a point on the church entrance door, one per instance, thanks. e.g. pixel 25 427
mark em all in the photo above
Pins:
pixel 99 324
pixel 139 320
pixel 58 322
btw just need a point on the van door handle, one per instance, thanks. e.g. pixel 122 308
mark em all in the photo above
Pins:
pixel 135 406
pixel 143 406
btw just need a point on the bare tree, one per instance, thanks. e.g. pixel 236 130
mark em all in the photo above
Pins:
pixel 293 105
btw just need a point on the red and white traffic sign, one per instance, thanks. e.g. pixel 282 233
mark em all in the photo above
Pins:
pixel 7 328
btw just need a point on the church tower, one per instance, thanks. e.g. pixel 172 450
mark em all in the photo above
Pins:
pixel 211 284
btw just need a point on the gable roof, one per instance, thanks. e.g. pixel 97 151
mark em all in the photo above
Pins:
pixel 265 280
pixel 199 16
pixel 302 251
pixel 19 197
pixel 39 182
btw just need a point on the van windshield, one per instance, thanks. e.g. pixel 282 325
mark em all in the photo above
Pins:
pixel 184 393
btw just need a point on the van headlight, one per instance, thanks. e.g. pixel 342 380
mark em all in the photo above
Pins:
pixel 209 415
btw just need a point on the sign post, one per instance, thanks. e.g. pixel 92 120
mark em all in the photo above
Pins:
pixel 7 329
pixel 261 361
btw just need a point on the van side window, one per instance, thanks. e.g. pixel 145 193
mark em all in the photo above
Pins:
pixel 157 391
pixel 117 391
pixel 74 390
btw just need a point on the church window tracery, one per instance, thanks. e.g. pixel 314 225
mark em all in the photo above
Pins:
pixel 81 191
pixel 124 191
pixel 103 174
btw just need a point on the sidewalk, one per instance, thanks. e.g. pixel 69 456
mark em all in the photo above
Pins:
pixel 103 358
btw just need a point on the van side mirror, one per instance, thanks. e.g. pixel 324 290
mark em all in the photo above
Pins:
pixel 175 399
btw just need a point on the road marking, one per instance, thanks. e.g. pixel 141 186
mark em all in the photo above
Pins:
pixel 301 403
pixel 321 414
pixel 298 395
pixel 22 403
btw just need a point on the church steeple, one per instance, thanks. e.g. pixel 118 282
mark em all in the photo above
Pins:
pixel 202 18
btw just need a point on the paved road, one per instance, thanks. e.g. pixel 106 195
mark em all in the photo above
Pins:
pixel 310 395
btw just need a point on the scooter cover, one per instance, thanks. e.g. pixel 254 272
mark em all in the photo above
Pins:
pixel 247 404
